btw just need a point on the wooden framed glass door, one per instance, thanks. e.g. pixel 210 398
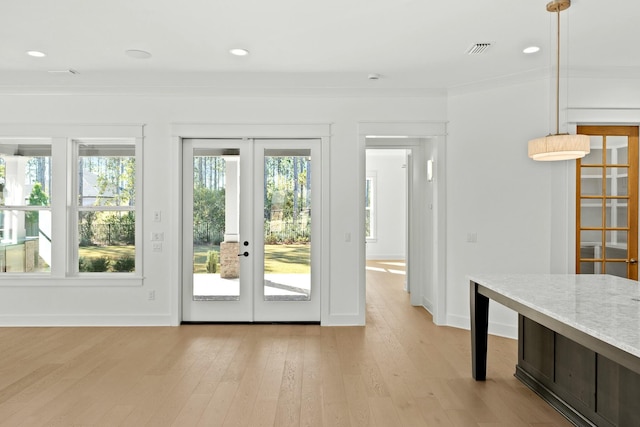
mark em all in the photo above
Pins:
pixel 607 203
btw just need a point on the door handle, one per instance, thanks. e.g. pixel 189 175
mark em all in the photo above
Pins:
pixel 244 254
pixel 632 261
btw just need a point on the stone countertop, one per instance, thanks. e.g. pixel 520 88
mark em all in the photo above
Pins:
pixel 603 306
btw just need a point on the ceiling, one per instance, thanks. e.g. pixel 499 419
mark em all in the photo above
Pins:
pixel 415 45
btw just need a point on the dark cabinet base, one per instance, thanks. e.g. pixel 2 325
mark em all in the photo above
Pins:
pixel 552 399
pixel 586 387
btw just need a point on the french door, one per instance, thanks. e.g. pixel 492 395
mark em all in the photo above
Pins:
pixel 607 203
pixel 251 246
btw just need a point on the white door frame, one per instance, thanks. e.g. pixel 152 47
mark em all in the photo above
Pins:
pixel 436 278
pixel 182 131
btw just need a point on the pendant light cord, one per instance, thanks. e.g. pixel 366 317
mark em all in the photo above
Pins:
pixel 558 76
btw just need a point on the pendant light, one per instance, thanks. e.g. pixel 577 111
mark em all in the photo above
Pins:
pixel 558 146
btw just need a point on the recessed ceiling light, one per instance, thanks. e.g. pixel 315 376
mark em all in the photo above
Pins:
pixel 239 52
pixel 531 49
pixel 36 53
pixel 138 54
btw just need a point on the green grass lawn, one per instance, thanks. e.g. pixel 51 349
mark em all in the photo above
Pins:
pixel 278 258
pixel 113 252
pixel 287 259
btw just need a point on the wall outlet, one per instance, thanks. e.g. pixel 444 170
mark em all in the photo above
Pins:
pixel 157 236
pixel 157 246
pixel 151 295
pixel 157 216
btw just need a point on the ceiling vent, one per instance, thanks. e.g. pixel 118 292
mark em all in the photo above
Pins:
pixel 478 48
pixel 68 71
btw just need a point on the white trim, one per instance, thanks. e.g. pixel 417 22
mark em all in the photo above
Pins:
pixel 325 231
pixel 602 116
pixel 506 330
pixel 343 319
pixel 175 252
pixel 181 131
pixel 71 130
pixel 436 131
pixel 427 304
pixel 199 90
pixel 410 129
pixel 53 320
pixel 250 130
pixel 87 280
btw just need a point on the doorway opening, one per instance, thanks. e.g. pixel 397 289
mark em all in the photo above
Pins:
pixel 398 218
pixel 386 211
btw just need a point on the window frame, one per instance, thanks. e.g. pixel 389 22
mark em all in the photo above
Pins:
pixel 61 137
pixel 74 208
pixel 25 208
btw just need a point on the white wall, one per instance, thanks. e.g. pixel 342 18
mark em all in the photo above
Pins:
pixel 104 303
pixel 390 169
pixel 520 209
pixel 591 100
pixel 495 191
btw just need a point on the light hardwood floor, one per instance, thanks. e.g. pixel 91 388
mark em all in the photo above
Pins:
pixel 399 370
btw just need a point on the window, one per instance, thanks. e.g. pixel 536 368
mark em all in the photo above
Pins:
pixel 25 217
pixel 106 206
pixel 369 206
pixel 70 207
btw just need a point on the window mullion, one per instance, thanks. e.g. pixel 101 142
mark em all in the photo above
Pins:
pixel 59 226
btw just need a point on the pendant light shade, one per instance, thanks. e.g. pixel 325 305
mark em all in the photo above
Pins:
pixel 559 146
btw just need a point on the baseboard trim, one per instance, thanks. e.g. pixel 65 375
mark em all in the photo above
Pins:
pixel 85 320
pixel 428 305
pixel 498 329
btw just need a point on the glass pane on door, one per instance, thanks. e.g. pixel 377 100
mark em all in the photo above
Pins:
pixel 216 264
pixel 287 224
pixel 595 155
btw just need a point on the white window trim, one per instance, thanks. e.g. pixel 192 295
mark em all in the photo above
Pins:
pixel 61 137
pixel 74 209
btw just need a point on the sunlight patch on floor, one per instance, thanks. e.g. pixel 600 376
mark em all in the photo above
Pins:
pixel 394 263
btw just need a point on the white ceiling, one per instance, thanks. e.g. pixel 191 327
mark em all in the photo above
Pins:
pixel 304 44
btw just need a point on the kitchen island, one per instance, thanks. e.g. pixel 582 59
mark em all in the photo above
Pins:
pixel 578 341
